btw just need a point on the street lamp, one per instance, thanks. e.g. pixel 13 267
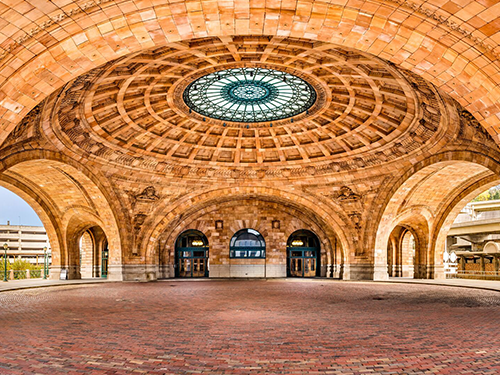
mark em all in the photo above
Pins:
pixel 5 247
pixel 45 262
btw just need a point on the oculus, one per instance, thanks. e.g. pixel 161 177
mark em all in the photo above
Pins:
pixel 249 95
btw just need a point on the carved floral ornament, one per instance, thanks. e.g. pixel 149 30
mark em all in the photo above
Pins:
pixel 346 194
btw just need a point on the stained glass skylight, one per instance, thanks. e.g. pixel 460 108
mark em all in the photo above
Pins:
pixel 249 95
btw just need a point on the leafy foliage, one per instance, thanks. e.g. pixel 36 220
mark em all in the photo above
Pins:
pixel 489 195
pixel 19 266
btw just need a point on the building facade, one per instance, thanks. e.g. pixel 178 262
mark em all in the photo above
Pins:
pixel 219 139
pixel 25 242
pixel 475 239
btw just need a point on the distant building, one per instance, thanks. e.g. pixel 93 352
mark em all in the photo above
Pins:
pixel 25 242
pixel 475 238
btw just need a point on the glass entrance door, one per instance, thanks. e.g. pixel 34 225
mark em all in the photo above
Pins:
pixel 192 262
pixel 302 262
pixel 104 263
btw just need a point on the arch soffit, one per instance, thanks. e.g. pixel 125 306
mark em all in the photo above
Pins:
pixel 382 33
pixel 445 158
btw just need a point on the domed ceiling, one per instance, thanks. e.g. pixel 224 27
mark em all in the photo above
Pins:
pixel 327 108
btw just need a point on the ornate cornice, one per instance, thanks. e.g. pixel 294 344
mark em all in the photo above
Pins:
pixel 446 22
pixel 50 22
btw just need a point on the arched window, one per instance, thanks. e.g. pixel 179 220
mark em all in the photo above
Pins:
pixel 303 238
pixel 247 243
pixel 192 239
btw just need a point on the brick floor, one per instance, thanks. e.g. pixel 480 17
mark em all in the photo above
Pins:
pixel 250 327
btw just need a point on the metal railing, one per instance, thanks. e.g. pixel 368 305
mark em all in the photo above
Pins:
pixel 471 274
pixel 22 274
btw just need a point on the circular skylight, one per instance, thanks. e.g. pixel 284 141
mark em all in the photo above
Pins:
pixel 249 95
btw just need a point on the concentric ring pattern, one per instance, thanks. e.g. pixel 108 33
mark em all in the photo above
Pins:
pixel 249 95
pixel 134 107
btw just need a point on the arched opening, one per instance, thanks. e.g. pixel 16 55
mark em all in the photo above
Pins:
pixel 191 254
pixel 94 253
pixel 303 254
pixel 401 253
pixel 473 240
pixel 247 243
pixel 426 205
pixel 69 202
pixel 24 241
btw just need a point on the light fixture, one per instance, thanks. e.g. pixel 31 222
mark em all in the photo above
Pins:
pixel 297 243
pixel 197 243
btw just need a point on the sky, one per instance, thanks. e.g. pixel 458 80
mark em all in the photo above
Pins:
pixel 16 210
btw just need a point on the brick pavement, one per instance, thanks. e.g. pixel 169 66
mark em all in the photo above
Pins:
pixel 250 327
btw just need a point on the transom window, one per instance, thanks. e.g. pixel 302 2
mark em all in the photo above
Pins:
pixel 192 239
pixel 247 243
pixel 249 95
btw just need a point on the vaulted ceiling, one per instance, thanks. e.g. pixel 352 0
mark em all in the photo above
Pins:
pixel 453 44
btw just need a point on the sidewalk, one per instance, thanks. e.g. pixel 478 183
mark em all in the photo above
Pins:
pixel 463 283
pixel 39 283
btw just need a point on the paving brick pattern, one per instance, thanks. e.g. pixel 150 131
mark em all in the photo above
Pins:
pixel 250 327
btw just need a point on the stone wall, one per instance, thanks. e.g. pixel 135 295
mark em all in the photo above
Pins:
pixel 274 222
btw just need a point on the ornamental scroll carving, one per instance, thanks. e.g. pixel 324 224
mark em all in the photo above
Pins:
pixel 148 195
pixel 346 194
pixel 471 130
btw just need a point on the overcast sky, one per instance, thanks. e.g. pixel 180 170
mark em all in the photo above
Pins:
pixel 16 210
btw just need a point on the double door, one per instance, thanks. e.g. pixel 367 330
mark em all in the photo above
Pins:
pixel 192 262
pixel 302 262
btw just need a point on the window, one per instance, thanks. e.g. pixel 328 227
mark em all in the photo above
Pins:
pixel 192 239
pixel 247 243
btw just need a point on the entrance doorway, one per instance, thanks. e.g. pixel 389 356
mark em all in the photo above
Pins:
pixel 303 252
pixel 191 254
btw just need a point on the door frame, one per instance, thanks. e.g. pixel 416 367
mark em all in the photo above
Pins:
pixel 289 258
pixel 178 256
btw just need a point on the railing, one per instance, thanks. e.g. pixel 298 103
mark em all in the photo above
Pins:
pixel 36 274
pixel 471 274
pixel 21 274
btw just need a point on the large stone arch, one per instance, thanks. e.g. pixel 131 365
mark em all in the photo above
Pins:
pixel 332 254
pixel 174 217
pixel 414 37
pixel 449 213
pixel 68 199
pixel 43 207
pixel 436 187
